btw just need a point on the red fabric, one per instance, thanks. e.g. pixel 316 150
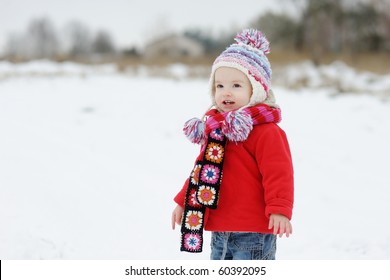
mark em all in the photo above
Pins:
pixel 257 181
pixel 260 113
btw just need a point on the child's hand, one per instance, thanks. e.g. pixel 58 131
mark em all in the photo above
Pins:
pixel 177 215
pixel 280 224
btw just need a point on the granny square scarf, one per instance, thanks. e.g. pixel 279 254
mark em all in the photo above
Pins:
pixel 206 177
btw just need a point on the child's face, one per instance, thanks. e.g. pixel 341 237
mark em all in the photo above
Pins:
pixel 232 89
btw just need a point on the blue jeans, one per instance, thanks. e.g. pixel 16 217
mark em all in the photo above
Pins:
pixel 242 246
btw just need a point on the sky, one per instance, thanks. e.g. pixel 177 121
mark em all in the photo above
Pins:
pixel 133 22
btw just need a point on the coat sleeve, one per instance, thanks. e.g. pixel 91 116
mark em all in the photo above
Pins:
pixel 180 196
pixel 276 168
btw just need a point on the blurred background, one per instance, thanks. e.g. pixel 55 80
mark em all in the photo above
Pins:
pixel 94 95
pixel 128 33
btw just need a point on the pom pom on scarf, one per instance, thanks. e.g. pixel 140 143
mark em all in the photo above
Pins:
pixel 194 130
pixel 237 125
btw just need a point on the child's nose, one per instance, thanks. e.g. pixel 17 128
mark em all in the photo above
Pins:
pixel 227 92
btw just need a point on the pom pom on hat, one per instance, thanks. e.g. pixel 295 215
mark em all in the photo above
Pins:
pixel 248 55
pixel 253 38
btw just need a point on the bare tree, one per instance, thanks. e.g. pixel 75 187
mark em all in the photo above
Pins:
pixel 321 22
pixel 42 39
pixel 103 44
pixel 281 29
pixel 78 38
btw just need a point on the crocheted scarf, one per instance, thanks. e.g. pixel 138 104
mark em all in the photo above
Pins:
pixel 206 176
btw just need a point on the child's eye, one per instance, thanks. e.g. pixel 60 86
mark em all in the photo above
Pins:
pixel 219 86
pixel 236 85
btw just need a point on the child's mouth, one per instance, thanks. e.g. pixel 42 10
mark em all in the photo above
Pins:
pixel 227 102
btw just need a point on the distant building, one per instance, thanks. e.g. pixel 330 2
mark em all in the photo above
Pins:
pixel 174 46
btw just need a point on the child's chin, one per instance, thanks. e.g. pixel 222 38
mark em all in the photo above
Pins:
pixel 226 109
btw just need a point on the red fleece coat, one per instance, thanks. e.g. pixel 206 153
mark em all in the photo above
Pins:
pixel 257 181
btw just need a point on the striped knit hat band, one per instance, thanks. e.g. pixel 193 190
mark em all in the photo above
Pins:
pixel 248 55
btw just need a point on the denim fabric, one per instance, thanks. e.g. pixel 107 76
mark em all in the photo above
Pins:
pixel 242 246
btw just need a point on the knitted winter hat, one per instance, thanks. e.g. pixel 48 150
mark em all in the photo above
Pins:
pixel 248 55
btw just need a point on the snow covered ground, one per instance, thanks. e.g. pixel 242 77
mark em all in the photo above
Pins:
pixel 90 160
